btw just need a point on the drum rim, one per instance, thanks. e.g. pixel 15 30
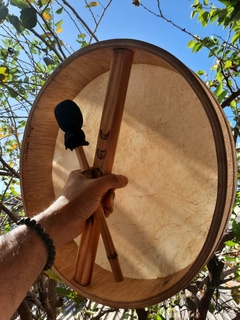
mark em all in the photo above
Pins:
pixel 224 166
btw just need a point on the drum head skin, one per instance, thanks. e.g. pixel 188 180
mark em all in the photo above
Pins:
pixel 175 146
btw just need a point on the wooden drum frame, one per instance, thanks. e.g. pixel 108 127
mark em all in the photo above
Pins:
pixel 176 148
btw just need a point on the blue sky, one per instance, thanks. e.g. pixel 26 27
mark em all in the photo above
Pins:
pixel 123 20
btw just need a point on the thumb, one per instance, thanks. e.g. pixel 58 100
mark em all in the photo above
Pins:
pixel 112 181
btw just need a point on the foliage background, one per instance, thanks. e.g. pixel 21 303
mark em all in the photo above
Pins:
pixel 34 41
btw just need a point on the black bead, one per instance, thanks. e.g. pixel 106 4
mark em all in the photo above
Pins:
pixel 44 236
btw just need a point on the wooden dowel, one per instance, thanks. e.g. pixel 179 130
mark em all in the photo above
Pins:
pixel 82 160
pixel 104 158
pixel 90 237
pixel 83 267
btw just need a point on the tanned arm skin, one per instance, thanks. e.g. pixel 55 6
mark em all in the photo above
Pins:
pixel 23 254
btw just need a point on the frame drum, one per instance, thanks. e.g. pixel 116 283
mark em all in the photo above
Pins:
pixel 176 148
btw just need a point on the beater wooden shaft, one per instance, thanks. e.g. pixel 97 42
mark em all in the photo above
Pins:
pixel 104 158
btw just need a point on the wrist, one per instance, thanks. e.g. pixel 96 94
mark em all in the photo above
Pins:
pixel 48 242
pixel 58 224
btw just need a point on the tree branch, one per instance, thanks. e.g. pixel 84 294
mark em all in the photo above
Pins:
pixel 100 18
pixel 199 295
pixel 229 235
pixel 10 169
pixel 8 212
pixel 229 99
pixel 47 44
pixel 81 20
pixel 24 311
pixel 104 312
pixel 142 314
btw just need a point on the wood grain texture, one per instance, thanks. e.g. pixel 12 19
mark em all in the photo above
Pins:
pixel 176 148
pixel 110 124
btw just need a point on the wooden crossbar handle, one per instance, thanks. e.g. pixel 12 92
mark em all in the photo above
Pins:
pixel 90 236
pixel 104 157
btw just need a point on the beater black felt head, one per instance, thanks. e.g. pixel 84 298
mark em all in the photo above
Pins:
pixel 70 120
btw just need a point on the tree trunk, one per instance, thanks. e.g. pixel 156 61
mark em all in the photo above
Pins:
pixel 142 314
pixel 24 311
pixel 198 305
pixel 52 295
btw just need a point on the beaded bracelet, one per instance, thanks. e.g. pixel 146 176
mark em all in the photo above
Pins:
pixel 44 236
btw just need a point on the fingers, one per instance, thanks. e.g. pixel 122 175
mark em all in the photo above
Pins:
pixel 112 181
pixel 109 181
pixel 108 199
pixel 108 184
pixel 108 202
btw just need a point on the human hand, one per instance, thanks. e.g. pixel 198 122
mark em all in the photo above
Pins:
pixel 65 219
pixel 84 195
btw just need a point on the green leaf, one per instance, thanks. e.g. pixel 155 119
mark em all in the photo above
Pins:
pixel 213 15
pixel 237 275
pixel 205 17
pixel 222 96
pixel 13 93
pixel 193 13
pixel 227 21
pixel 16 23
pixel 233 104
pixel 209 42
pixel 3 12
pixel 212 308
pixel 52 275
pixel 64 292
pixel 227 2
pixel 198 46
pixel 29 18
pixel 221 16
pixel 228 64
pixel 58 24
pixel 13 191
pixel 212 52
pixel 230 243
pixel 218 89
pixel 235 15
pixel 235 38
pixel 59 11
pixel 83 43
pixel 219 76
pixel 236 230
pixel 7 228
pixel 21 4
pixel 22 124
pixel 200 72
pixel 191 43
pixel 81 36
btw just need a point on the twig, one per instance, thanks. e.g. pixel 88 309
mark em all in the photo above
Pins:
pixel 49 28
pixel 99 20
pixel 10 169
pixel 81 20
pixel 9 213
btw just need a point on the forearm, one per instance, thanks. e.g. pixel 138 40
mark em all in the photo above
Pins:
pixel 23 253
pixel 59 223
pixel 22 258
